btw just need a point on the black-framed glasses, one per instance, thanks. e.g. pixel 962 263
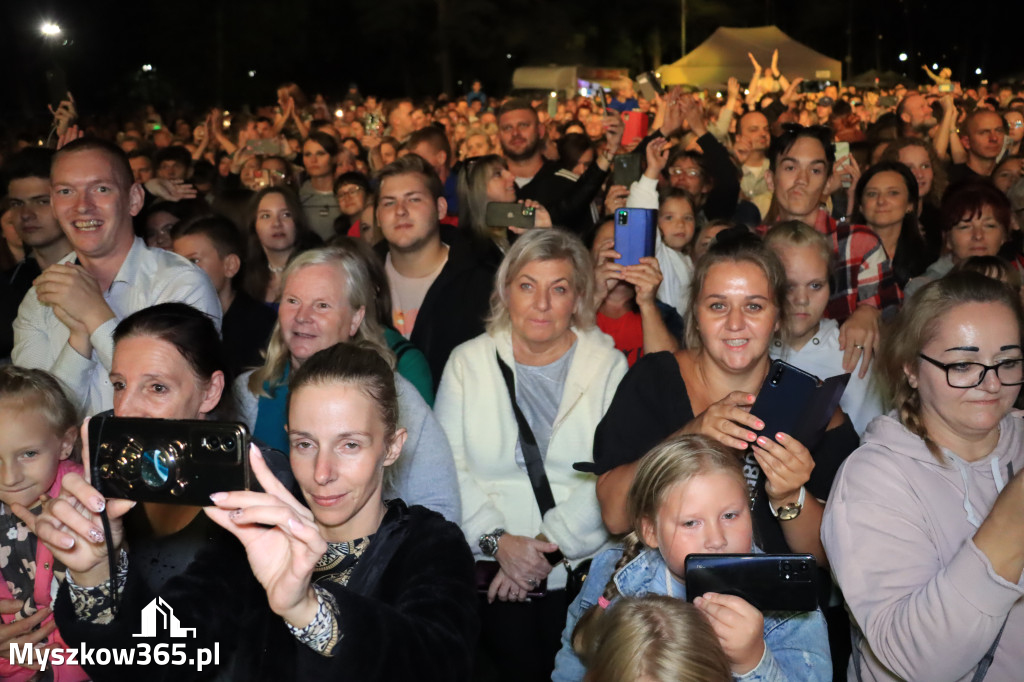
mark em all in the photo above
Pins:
pixel 971 374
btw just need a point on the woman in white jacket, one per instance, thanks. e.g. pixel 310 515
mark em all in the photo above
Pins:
pixel 565 373
pixel 925 524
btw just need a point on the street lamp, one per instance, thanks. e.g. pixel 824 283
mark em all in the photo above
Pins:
pixel 903 56
pixel 50 29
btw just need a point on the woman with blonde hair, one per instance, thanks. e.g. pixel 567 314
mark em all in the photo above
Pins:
pixel 519 404
pixel 924 524
pixel 328 298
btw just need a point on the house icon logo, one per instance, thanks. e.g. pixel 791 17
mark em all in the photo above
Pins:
pixel 158 616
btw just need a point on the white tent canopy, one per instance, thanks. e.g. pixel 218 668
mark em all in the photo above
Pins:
pixel 724 55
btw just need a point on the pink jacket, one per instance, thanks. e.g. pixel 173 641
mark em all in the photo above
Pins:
pixel 898 530
pixel 42 593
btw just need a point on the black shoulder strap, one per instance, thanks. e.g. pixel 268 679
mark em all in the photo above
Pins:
pixel 531 453
pixel 982 670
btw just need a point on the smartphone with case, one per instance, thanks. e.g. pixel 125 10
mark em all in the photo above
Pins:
pixel 509 214
pixel 168 460
pixel 769 582
pixel 634 234
pixel 634 127
pixel 797 403
pixel 649 85
pixel 626 169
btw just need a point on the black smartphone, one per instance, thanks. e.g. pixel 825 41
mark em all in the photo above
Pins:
pixel 649 85
pixel 626 169
pixel 769 582
pixel 509 214
pixel 797 403
pixel 634 234
pixel 168 460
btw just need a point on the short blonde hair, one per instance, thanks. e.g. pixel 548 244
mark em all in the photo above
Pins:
pixel 541 245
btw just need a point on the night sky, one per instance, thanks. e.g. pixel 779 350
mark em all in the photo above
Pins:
pixel 202 52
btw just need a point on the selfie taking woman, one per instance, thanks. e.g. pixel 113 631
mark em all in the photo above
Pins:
pixel 329 298
pixel 924 525
pixel 736 309
pixel 484 180
pixel 339 585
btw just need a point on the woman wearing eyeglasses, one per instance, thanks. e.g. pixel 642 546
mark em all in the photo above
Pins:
pixel 924 527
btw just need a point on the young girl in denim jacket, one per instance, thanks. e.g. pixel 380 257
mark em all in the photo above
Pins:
pixel 38 434
pixel 689 496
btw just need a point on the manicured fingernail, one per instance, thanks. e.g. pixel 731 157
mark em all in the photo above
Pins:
pixel 760 425
pixel 293 525
pixel 762 441
pixel 217 497
pixel 98 504
pixel 751 436
pixel 69 543
pixel 780 436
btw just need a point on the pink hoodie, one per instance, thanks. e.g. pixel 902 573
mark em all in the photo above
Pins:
pixel 43 590
pixel 898 531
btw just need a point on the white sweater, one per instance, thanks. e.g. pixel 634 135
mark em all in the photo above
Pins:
pixel 475 412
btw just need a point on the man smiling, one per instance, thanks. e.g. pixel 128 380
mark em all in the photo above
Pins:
pixel 66 322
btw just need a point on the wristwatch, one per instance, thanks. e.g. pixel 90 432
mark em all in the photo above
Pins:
pixel 790 511
pixel 489 541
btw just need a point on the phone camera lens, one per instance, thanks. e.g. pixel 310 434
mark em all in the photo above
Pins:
pixel 228 444
pixel 623 217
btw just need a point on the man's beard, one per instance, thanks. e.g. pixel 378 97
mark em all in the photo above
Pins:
pixel 525 155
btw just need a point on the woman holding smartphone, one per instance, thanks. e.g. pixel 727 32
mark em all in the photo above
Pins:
pixel 339 585
pixel 736 309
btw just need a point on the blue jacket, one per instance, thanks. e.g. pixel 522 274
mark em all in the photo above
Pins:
pixel 796 644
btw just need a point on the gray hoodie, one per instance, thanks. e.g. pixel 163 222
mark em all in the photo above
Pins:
pixel 898 528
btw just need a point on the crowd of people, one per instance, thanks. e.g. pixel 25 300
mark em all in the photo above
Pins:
pixel 485 450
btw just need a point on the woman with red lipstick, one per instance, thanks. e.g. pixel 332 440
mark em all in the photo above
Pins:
pixel 563 372
pixel 277 232
pixel 736 310
pixel 340 585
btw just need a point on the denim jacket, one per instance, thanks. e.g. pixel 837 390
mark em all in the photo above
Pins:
pixel 796 644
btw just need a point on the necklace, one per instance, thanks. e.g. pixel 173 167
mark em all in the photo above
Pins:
pixel 276 271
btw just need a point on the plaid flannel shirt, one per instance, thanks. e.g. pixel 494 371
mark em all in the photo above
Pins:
pixel 861 273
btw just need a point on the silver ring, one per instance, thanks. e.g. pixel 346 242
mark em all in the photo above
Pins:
pixel 531 582
pixel 858 346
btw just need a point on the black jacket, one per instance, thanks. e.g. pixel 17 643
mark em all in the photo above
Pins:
pixel 567 199
pixel 457 303
pixel 409 612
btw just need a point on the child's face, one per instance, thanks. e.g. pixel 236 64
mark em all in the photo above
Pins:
pixel 30 452
pixel 807 290
pixel 199 249
pixel 677 223
pixel 708 514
